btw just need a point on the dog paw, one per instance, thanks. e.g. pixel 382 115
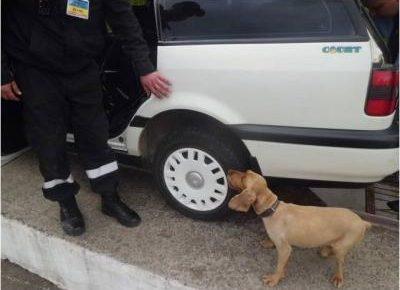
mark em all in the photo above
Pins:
pixel 337 280
pixel 267 243
pixel 325 252
pixel 271 279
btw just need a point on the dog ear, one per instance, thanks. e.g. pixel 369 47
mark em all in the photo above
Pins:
pixel 235 179
pixel 243 201
pixel 255 181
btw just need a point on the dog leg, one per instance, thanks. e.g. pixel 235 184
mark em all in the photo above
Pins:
pixel 326 251
pixel 337 279
pixel 267 243
pixel 340 250
pixel 284 250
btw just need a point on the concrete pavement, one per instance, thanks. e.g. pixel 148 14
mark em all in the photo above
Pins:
pixel 202 255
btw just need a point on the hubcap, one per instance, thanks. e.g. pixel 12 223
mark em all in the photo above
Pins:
pixel 195 179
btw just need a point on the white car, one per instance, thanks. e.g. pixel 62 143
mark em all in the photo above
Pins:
pixel 291 88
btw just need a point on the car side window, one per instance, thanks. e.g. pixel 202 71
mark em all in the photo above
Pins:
pixel 252 19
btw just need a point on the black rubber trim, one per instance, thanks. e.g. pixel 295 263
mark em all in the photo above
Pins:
pixel 139 122
pixel 305 39
pixel 373 139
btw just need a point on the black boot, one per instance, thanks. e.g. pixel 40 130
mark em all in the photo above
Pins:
pixel 71 217
pixel 112 206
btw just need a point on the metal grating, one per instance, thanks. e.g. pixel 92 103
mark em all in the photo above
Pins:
pixel 381 193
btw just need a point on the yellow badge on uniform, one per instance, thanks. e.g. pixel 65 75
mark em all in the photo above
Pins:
pixel 78 8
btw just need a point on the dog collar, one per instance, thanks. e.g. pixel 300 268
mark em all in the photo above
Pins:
pixel 270 211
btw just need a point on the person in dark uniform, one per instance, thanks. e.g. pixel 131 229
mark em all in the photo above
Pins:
pixel 385 14
pixel 49 52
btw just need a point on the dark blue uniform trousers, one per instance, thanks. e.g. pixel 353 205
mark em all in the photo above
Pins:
pixel 51 102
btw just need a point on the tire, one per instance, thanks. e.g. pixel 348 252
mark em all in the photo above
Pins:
pixel 191 187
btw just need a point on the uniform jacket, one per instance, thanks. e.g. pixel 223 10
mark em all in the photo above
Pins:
pixel 61 43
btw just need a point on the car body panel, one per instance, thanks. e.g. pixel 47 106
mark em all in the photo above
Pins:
pixel 324 162
pixel 133 135
pixel 273 84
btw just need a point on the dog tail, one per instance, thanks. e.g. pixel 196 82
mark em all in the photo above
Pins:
pixel 367 225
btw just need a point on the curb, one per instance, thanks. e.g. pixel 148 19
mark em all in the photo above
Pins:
pixel 70 266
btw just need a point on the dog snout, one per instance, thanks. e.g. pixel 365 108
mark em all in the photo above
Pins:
pixel 235 179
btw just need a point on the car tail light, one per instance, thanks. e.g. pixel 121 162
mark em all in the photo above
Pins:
pixel 383 93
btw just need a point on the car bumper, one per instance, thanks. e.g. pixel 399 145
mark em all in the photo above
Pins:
pixel 318 154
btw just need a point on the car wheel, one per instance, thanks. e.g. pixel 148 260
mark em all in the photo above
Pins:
pixel 191 166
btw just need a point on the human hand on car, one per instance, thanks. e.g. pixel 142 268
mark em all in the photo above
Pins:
pixel 157 84
pixel 11 92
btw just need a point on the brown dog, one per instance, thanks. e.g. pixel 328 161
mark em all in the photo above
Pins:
pixel 335 230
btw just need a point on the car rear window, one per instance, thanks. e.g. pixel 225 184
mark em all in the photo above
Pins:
pixel 253 19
